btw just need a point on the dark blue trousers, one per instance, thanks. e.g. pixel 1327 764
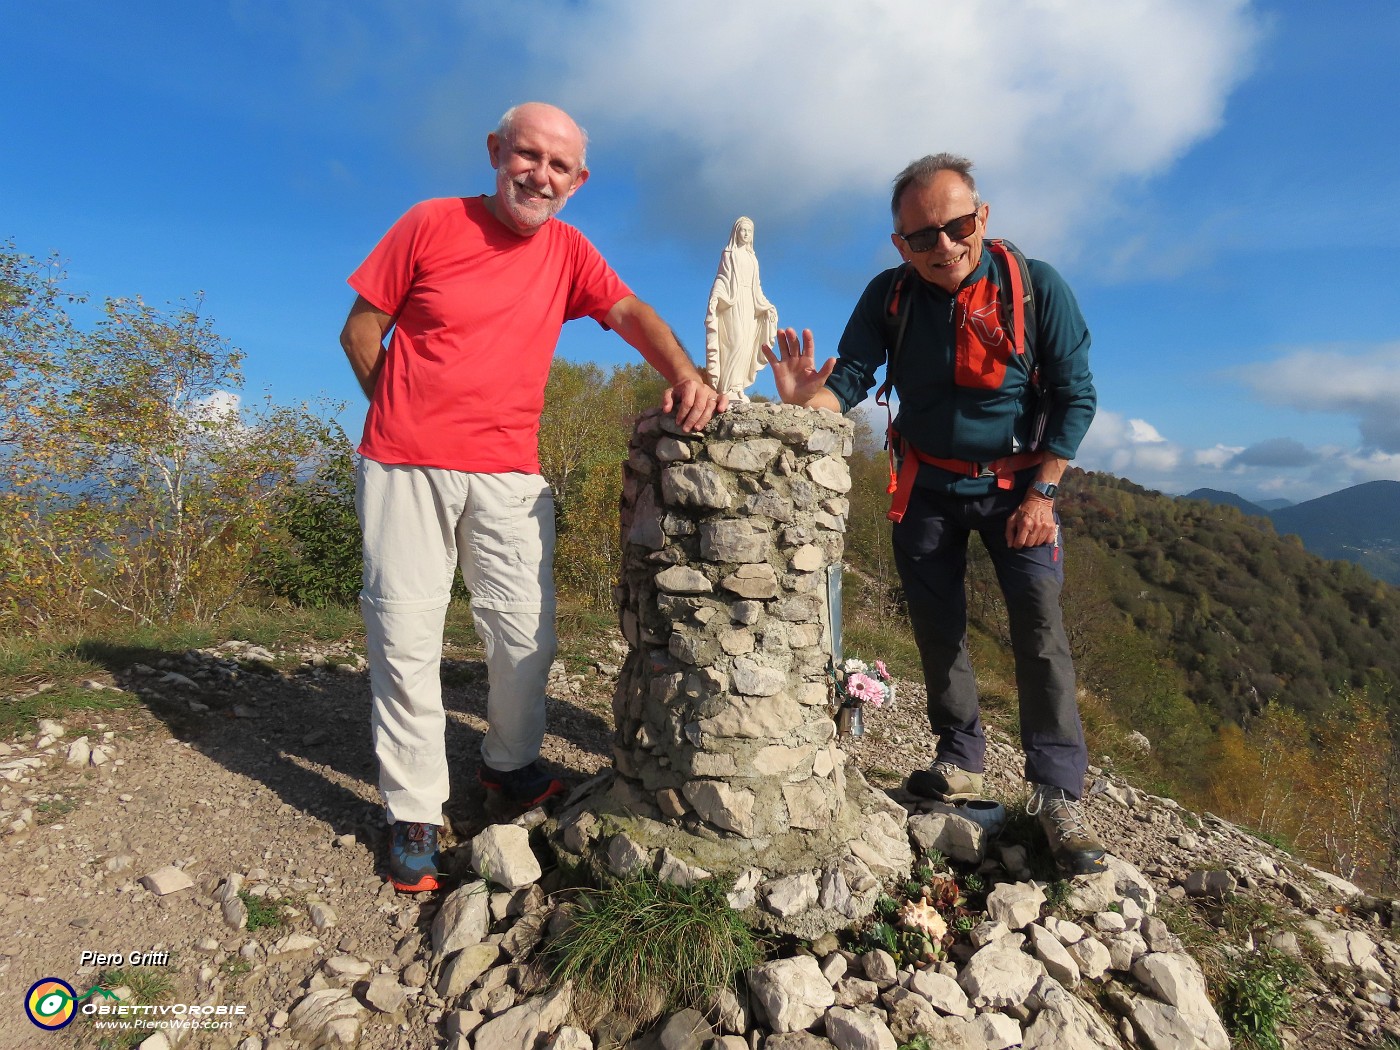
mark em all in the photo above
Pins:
pixel 930 550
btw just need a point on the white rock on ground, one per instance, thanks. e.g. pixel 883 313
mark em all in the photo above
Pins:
pixel 502 855
pixel 792 993
pixel 168 879
pixel 464 919
pixel 521 1027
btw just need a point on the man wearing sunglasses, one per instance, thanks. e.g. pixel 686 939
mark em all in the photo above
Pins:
pixel 987 424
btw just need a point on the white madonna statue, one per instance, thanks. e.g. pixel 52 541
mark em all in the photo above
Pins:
pixel 740 321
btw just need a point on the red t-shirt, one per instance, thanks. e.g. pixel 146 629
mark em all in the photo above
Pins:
pixel 477 311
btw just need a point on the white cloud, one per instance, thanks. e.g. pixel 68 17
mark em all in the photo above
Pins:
pixel 780 109
pixel 1217 456
pixel 222 406
pixel 776 108
pixel 1277 467
pixel 1141 432
pixel 1360 382
pixel 1373 466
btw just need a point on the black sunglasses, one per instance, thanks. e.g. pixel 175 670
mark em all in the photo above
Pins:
pixel 927 239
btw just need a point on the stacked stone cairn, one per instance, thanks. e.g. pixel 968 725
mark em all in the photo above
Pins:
pixel 725 760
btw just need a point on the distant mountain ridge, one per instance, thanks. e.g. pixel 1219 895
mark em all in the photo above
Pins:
pixel 1360 524
pixel 1228 499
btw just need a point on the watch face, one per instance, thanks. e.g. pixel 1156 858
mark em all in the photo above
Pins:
pixel 1046 489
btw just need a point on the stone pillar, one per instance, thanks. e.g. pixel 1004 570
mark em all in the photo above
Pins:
pixel 725 758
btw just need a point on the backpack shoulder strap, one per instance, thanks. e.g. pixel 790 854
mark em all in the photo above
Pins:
pixel 1023 325
pixel 1022 296
pixel 896 318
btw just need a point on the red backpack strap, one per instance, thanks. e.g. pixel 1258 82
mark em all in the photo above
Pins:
pixel 896 320
pixel 1017 290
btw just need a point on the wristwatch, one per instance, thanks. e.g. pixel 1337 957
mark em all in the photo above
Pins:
pixel 1045 488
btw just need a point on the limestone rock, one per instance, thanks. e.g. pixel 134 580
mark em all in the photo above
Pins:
pixel 292 946
pixel 521 1027
pixel 998 977
pixel 464 968
pixel 1063 1022
pixel 791 993
pixel 1177 980
pixel 386 995
pixel 695 485
pixel 502 854
pixel 1017 904
pixel 79 751
pixel 463 920
pixel 1057 961
pixel 168 879
pixel 831 473
pixel 858 1030
pixel 681 579
pixel 330 1017
pixel 684 1030
pixel 1090 956
pixel 943 830
pixel 791 895
pixel 944 992
pixel 723 806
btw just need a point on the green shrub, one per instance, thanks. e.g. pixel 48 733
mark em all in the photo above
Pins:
pixel 1256 1000
pixel 263 911
pixel 315 560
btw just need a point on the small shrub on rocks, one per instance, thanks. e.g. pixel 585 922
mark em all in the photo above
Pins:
pixel 1256 1000
pixel 262 911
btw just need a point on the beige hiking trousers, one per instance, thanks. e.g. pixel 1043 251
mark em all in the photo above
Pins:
pixel 421 524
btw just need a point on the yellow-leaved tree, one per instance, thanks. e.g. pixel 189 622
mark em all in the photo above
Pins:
pixel 136 480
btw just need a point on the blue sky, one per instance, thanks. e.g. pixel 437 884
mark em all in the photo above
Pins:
pixel 1219 181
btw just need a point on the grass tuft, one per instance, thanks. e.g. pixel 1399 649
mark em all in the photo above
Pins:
pixel 149 986
pixel 643 948
pixel 17 715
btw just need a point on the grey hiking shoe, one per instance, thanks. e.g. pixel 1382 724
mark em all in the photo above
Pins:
pixel 1073 844
pixel 945 782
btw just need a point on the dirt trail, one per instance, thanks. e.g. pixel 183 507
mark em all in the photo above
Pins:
pixel 236 769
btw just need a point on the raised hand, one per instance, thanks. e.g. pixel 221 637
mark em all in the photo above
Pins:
pixel 798 379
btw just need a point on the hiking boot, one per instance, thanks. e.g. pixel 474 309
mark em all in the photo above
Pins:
pixel 945 782
pixel 1073 844
pixel 413 857
pixel 527 786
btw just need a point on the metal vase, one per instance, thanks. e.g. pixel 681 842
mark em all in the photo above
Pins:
pixel 850 720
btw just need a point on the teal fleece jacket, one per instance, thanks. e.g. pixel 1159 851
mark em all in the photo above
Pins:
pixel 943 419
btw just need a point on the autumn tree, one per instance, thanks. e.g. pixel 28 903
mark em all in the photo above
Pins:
pixel 138 482
pixel 584 431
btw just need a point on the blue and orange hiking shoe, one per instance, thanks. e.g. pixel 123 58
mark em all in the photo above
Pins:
pixel 527 786
pixel 413 857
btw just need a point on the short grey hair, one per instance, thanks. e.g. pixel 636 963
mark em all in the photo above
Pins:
pixel 921 172
pixel 506 125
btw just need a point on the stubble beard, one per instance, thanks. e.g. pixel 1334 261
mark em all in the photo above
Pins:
pixel 528 206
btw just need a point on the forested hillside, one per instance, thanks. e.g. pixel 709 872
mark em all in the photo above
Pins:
pixel 1264 678
pixel 1248 615
pixel 1360 524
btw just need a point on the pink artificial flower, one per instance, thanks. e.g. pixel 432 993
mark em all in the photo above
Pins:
pixel 881 671
pixel 863 687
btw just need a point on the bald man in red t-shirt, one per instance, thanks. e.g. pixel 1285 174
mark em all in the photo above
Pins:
pixel 475 291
